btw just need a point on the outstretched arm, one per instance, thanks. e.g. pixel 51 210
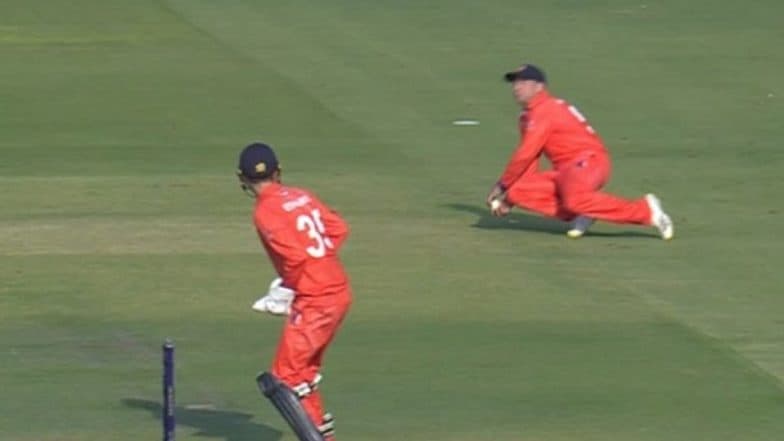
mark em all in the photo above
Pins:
pixel 527 151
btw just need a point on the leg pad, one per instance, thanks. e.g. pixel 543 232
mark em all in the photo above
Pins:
pixel 287 403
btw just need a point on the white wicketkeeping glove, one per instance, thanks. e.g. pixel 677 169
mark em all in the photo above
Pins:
pixel 277 301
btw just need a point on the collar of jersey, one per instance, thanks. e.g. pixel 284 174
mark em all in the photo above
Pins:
pixel 268 189
pixel 539 98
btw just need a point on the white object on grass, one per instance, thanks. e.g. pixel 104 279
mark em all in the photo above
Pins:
pixel 495 204
pixel 206 406
pixel 465 122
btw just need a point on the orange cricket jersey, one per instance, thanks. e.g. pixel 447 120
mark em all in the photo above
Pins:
pixel 554 127
pixel 302 237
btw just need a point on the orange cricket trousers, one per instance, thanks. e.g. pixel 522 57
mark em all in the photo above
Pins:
pixel 574 190
pixel 310 327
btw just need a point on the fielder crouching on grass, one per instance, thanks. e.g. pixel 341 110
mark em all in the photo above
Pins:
pixel 571 190
pixel 302 237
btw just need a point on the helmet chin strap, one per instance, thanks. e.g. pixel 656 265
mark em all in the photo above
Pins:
pixel 248 190
pixel 246 187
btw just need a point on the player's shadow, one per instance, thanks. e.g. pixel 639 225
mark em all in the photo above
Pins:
pixel 522 221
pixel 222 424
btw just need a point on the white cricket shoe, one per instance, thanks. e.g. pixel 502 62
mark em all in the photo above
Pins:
pixel 580 225
pixel 659 218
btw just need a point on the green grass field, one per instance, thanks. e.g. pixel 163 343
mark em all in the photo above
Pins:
pixel 121 221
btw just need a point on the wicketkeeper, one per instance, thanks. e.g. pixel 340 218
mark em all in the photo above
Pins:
pixel 302 237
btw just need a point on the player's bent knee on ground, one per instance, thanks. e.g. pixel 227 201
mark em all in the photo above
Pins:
pixel 286 400
pixel 576 202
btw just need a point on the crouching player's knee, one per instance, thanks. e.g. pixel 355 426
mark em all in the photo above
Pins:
pixel 576 202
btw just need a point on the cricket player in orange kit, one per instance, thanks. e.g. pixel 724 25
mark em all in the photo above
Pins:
pixel 302 237
pixel 571 190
